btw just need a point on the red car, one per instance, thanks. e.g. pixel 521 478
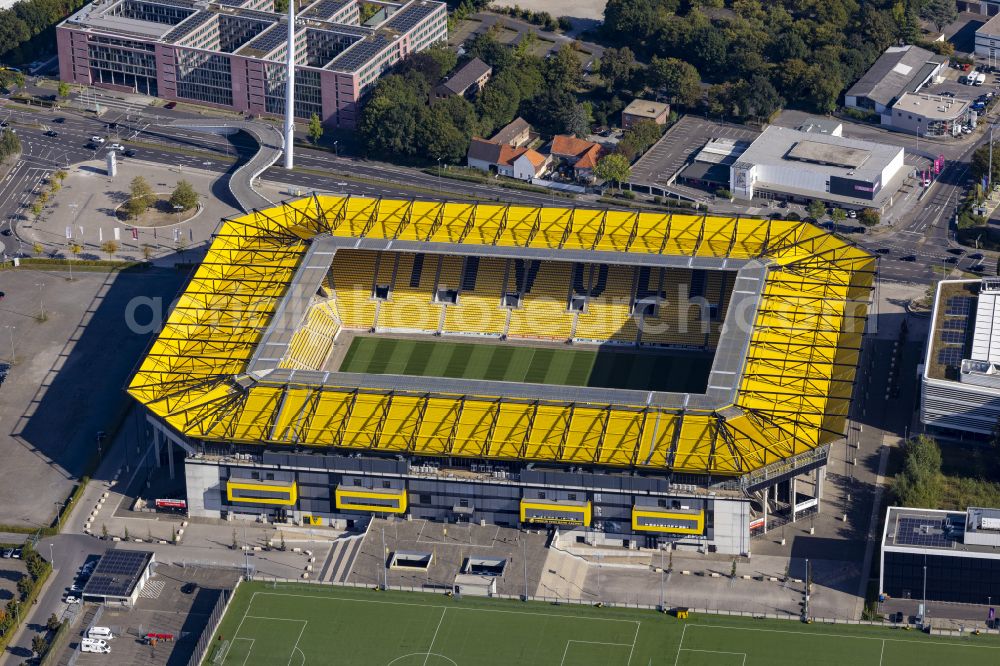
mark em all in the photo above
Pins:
pixel 169 105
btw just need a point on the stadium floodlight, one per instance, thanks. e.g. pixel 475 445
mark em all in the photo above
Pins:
pixel 290 90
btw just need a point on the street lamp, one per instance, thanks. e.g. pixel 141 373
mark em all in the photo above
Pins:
pixel 439 175
pixel 335 152
pixel 10 328
pixel 52 558
pixel 41 303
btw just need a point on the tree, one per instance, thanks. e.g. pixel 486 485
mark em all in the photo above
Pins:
pixel 838 215
pixel 282 535
pixel 981 161
pixel 184 196
pixel 59 175
pixel 678 80
pixel 141 197
pixel 24 585
pixel 52 623
pixel 147 251
pixel 315 128
pixel 869 217
pixel 617 67
pixel 36 247
pixel 39 644
pixel 816 209
pixel 638 138
pixel 104 531
pixel 63 90
pixel 614 167
pixel 74 249
pixel 432 63
pixel 564 72
pixel 110 247
pixel 939 12
pixel 919 482
pixel 126 532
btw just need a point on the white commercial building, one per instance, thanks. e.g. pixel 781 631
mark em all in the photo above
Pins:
pixel 928 115
pixel 988 40
pixel 791 164
pixel 961 376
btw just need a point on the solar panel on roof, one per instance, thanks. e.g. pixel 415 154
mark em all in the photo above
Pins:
pixel 325 8
pixel 270 39
pixel 959 324
pixel 931 532
pixel 410 16
pixel 953 336
pixel 950 356
pixel 189 25
pixel 959 305
pixel 360 53
pixel 117 573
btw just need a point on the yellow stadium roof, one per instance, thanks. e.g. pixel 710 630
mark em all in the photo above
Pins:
pixel 791 396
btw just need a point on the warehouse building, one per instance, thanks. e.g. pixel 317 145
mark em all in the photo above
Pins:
pixel 960 383
pixel 899 70
pixel 230 54
pixel 790 164
pixel 276 423
pixel 950 556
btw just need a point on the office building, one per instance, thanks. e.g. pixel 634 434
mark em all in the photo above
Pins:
pixel 230 54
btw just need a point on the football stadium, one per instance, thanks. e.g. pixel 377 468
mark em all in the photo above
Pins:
pixel 648 377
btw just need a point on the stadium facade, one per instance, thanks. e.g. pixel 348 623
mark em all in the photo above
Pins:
pixel 230 54
pixel 245 377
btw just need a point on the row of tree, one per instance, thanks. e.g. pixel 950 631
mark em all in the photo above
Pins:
pixel 759 55
pixel 28 18
pixel 9 144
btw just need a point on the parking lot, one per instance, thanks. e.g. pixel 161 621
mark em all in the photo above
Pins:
pixel 64 376
pixel 176 600
pixel 11 571
pixel 661 163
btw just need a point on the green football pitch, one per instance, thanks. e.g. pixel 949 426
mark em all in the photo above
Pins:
pixel 607 367
pixel 290 624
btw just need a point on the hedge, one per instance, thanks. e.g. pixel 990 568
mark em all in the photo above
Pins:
pixel 25 606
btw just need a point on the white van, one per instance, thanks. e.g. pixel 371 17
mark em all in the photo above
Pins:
pixel 95 645
pixel 100 632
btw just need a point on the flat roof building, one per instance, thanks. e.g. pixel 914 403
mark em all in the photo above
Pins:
pixel 231 54
pixel 119 577
pixel 950 556
pixel 644 109
pixel 923 114
pixel 792 164
pixel 960 384
pixel 899 70
pixel 988 40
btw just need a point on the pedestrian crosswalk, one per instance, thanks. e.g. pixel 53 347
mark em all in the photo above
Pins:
pixel 152 589
pixel 339 562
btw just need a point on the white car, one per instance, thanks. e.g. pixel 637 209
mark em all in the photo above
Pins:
pixel 117 146
pixel 70 599
pixel 96 139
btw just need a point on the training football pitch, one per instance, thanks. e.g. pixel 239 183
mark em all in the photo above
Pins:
pixel 296 624
pixel 607 367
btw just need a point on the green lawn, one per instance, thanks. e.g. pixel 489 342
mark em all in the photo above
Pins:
pixel 609 367
pixel 310 624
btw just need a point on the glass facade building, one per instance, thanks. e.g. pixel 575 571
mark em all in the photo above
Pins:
pixel 232 54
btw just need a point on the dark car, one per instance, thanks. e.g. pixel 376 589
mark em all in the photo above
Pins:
pixel 112 126
pixel 129 153
pixel 978 268
pixel 90 145
pixel 2 295
pixel 52 133
pixel 169 105
pixel 884 250
pixel 909 257
pixel 977 255
pixel 947 94
pixel 5 232
pixel 58 121
pixel 955 250
pixel 188 588
pixel 951 260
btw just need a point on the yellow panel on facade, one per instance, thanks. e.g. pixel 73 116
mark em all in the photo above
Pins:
pixel 677 521
pixel 260 492
pixel 385 500
pixel 552 512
